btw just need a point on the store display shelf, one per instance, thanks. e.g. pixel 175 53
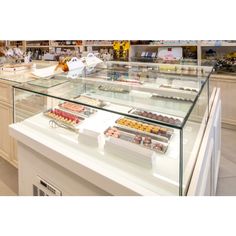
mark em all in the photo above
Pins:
pixel 98 45
pixel 164 45
pixel 15 46
pixel 198 49
pixel 66 46
pixel 209 44
pixel 35 46
pixel 223 44
pixel 143 59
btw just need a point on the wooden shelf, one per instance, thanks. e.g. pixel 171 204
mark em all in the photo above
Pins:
pixel 41 46
pixel 66 46
pixel 164 45
pixel 221 45
pixel 15 46
pixel 98 45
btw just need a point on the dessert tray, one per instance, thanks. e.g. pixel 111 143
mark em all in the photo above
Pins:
pixel 91 101
pixel 60 118
pixel 137 138
pixel 156 96
pixel 47 72
pixel 185 94
pixel 132 125
pixel 77 109
pixel 69 115
pixel 179 88
pixel 156 116
pixel 110 88
pixel 125 79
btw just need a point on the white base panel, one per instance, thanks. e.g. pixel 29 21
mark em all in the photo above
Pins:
pixel 33 166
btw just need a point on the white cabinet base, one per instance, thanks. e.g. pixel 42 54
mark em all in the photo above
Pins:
pixel 35 170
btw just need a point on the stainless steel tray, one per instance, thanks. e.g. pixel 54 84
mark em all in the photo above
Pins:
pixel 84 114
pixel 60 123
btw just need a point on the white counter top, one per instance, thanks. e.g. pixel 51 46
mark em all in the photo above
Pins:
pixel 112 174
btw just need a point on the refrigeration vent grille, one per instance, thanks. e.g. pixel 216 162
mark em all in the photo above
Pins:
pixel 38 192
pixel 44 188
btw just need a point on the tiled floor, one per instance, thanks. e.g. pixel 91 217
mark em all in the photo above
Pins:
pixel 226 182
pixel 227 174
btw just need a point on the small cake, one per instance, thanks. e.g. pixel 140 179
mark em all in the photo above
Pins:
pixel 158 147
pixel 166 119
pixel 160 117
pixel 164 130
pixel 147 141
pixel 137 139
pixel 177 122
pixel 145 114
pixel 149 115
pixel 155 117
pixel 172 121
pixel 148 129
pixel 155 130
pixel 116 135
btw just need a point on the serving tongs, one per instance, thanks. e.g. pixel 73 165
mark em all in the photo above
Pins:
pixel 55 124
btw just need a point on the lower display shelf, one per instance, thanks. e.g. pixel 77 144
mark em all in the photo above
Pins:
pixel 155 171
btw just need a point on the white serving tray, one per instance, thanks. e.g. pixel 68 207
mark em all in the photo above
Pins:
pixel 129 151
pixel 45 72
pixel 89 137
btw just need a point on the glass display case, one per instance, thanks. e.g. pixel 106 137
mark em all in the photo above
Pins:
pixel 144 120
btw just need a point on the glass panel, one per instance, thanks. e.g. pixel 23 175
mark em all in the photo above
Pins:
pixel 146 124
pixel 193 132
pixel 144 153
pixel 165 99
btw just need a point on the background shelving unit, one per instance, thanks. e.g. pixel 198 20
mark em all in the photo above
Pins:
pixel 45 46
pixel 202 47
pixel 152 47
pixel 136 47
pixel 17 43
pixel 206 54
